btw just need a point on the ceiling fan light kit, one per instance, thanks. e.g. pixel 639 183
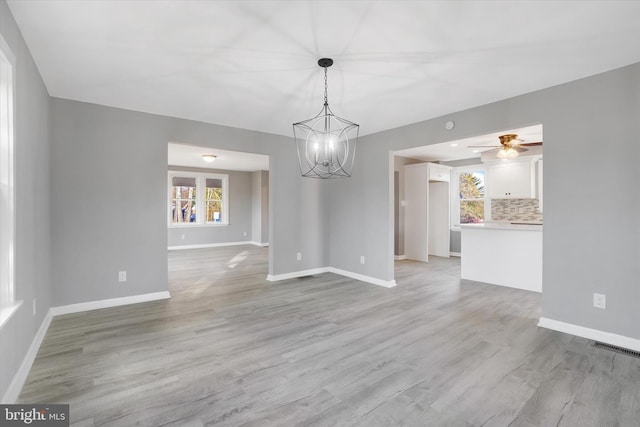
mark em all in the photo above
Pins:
pixel 507 153
pixel 326 143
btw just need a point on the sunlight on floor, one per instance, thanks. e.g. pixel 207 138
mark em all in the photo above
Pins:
pixel 237 259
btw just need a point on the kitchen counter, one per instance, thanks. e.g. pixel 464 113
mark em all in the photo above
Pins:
pixel 525 226
pixel 503 254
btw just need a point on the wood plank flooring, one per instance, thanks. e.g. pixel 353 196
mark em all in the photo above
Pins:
pixel 233 349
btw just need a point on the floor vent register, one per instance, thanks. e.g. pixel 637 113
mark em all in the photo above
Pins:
pixel 617 349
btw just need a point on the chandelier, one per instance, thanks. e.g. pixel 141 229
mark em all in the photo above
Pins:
pixel 326 143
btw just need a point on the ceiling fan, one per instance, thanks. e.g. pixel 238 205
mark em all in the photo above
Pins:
pixel 510 146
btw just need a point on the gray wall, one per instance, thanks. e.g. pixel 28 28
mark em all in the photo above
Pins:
pixel 455 241
pixel 33 226
pixel 110 187
pixel 591 132
pixel 260 206
pixel 240 211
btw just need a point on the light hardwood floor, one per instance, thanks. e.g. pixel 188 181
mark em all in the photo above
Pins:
pixel 233 349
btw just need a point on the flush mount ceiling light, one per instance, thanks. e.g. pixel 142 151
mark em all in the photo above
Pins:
pixel 209 158
pixel 326 143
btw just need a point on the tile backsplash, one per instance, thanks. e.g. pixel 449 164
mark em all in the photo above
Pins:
pixel 525 210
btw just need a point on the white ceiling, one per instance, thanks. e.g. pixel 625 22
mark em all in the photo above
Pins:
pixel 252 64
pixel 461 148
pixel 191 156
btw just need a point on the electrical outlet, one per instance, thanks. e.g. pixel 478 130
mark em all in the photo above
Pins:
pixel 362 259
pixel 600 301
pixel 34 306
pixel 244 234
pixel 122 276
pixel 299 256
pixel 182 236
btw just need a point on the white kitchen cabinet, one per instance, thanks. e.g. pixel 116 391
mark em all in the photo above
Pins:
pixel 426 209
pixel 439 173
pixel 511 180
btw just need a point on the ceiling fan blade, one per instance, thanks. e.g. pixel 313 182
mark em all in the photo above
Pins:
pixel 485 146
pixel 520 149
pixel 531 144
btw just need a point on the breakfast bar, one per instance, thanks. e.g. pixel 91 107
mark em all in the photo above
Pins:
pixel 504 254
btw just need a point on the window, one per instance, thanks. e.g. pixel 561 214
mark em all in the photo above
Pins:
pixel 213 199
pixel 183 199
pixel 8 304
pixel 198 198
pixel 469 203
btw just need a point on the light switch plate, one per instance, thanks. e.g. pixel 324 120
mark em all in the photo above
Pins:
pixel 600 301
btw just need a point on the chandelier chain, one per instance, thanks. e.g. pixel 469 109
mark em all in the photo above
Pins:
pixel 326 97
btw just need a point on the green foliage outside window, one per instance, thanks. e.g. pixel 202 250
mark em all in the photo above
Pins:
pixel 471 197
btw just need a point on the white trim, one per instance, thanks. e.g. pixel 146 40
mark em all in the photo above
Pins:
pixel 7 312
pixel 351 275
pixel 399 257
pixel 13 391
pixel 262 245
pixel 106 303
pixel 196 225
pixel 363 278
pixel 8 234
pixel 295 274
pixel 592 334
pixel 212 245
pixel 456 254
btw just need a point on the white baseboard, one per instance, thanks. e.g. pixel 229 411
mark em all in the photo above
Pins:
pixel 363 278
pixel 456 254
pixel 294 274
pixel 399 257
pixel 13 391
pixel 357 276
pixel 263 245
pixel 212 245
pixel 592 334
pixel 106 303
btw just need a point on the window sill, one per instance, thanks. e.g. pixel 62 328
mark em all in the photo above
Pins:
pixel 7 312
pixel 221 224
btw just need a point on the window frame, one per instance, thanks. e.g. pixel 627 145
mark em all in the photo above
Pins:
pixel 201 179
pixel 7 164
pixel 455 193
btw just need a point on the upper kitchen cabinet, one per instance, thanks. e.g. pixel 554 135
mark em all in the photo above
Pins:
pixel 511 180
pixel 439 172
